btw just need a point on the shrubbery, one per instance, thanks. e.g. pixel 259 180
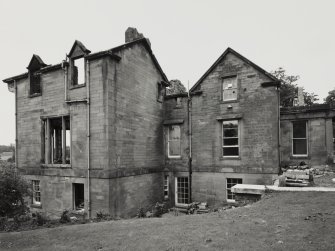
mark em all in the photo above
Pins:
pixel 13 190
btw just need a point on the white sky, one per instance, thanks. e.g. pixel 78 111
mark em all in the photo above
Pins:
pixel 186 36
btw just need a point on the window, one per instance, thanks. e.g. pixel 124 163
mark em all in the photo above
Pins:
pixel 78 196
pixel 230 138
pixel 78 71
pixel 174 141
pixel 299 139
pixel 229 89
pixel 160 92
pixel 178 102
pixel 230 183
pixel 35 82
pixel 57 140
pixel 36 192
pixel 182 192
pixel 166 187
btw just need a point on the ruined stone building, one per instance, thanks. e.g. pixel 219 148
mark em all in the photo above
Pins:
pixel 97 132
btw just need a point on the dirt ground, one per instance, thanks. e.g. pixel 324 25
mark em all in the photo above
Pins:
pixel 324 180
pixel 280 221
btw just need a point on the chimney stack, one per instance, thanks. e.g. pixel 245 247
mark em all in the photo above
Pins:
pixel 301 101
pixel 132 34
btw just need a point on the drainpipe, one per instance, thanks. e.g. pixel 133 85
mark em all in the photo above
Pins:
pixel 279 141
pixel 16 140
pixel 65 80
pixel 88 137
pixel 189 118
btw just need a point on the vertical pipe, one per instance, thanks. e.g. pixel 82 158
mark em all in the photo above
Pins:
pixel 189 118
pixel 47 142
pixel 65 82
pixel 63 141
pixel 16 136
pixel 279 141
pixel 88 137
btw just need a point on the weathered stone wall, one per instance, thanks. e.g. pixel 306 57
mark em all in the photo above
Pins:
pixel 319 137
pixel 172 111
pixel 257 107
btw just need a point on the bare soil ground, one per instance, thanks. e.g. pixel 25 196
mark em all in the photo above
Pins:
pixel 280 221
pixel 324 180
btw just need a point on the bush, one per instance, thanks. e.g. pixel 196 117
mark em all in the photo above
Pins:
pixel 101 215
pixel 13 189
pixel 65 217
pixel 39 218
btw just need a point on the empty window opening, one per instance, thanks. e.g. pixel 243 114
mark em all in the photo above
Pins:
pixel 230 138
pixel 299 139
pixel 35 82
pixel 78 71
pixel 57 140
pixel 166 187
pixel 36 192
pixel 182 191
pixel 229 88
pixel 230 183
pixel 174 141
pixel 78 196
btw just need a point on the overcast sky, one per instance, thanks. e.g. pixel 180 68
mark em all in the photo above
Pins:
pixel 186 37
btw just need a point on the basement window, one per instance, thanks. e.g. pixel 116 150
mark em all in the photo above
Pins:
pixel 299 138
pixel 182 191
pixel 230 183
pixel 57 140
pixel 174 141
pixel 230 138
pixel 78 71
pixel 166 187
pixel 78 196
pixel 34 83
pixel 229 88
pixel 36 192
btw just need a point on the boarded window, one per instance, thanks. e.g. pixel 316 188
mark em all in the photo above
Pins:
pixel 36 192
pixel 299 140
pixel 229 88
pixel 174 141
pixel 230 138
pixel 182 190
pixel 230 183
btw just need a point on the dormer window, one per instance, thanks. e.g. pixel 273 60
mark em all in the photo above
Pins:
pixel 77 64
pixel 36 63
pixel 78 71
pixel 35 82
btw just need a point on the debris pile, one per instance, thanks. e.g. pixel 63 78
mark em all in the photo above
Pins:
pixel 298 175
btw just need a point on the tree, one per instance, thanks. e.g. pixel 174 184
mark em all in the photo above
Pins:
pixel 289 89
pixel 175 87
pixel 13 190
pixel 330 99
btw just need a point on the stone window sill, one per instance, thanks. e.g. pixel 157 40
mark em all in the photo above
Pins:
pixel 63 166
pixel 230 158
pixel 36 205
pixel 35 95
pixel 77 86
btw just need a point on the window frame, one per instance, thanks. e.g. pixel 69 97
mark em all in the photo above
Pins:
pixel 306 139
pixel 47 156
pixel 72 65
pixel 228 189
pixel 166 186
pixel 35 79
pixel 222 89
pixel 187 194
pixel 168 142
pixel 231 146
pixel 36 189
